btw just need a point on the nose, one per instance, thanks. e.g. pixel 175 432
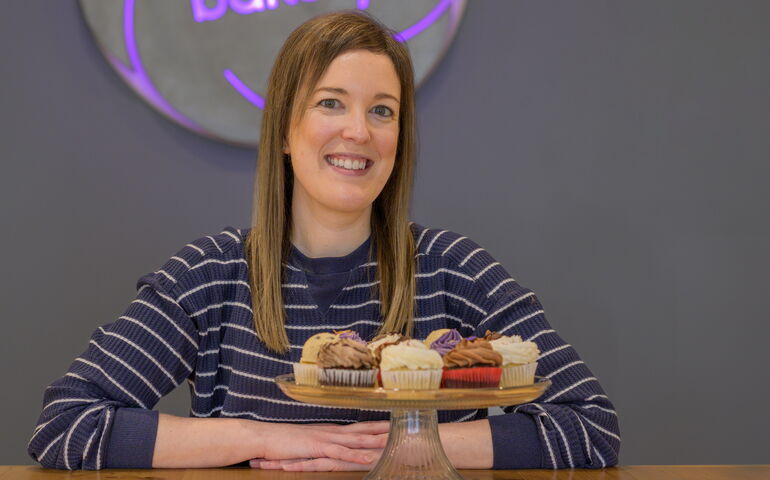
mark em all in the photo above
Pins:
pixel 356 128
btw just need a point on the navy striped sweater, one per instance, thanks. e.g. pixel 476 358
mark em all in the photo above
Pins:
pixel 192 321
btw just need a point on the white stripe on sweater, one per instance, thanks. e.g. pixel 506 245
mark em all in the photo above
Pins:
pixel 235 237
pixel 220 305
pixel 452 245
pixel 210 284
pixel 72 429
pixel 601 429
pixel 574 385
pixel 181 260
pixel 541 332
pixel 553 350
pixel 558 371
pixel 419 240
pixel 471 255
pixel 507 280
pixel 253 354
pixel 360 285
pixel 444 315
pixel 214 242
pixel 452 295
pixel 88 446
pixel 493 264
pixel 101 440
pixel 539 421
pixel 115 382
pixel 160 339
pixel 173 323
pixel 355 306
pixel 128 367
pixel 445 270
pixel 200 250
pixel 166 275
pixel 293 285
pixel 613 412
pixel 67 400
pixel 585 436
pixel 561 432
pixel 332 327
pixel 522 319
pixel 510 304
pixel 143 352
pixel 430 245
pixel 45 452
pixel 219 262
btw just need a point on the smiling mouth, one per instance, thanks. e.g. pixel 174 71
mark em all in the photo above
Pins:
pixel 352 164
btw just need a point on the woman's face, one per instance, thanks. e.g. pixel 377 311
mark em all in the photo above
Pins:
pixel 351 120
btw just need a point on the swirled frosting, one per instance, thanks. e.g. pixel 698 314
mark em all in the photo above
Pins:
pixel 345 353
pixel 516 352
pixel 472 353
pixel 313 344
pixel 383 340
pixel 490 335
pixel 434 335
pixel 410 355
pixel 446 342
pixel 349 334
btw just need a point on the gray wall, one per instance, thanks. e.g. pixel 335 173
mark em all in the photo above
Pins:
pixel 612 155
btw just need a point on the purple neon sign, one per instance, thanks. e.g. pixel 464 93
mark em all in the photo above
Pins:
pixel 139 79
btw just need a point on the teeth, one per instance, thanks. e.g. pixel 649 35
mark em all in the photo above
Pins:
pixel 347 163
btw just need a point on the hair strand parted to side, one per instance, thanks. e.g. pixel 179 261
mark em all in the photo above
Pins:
pixel 304 58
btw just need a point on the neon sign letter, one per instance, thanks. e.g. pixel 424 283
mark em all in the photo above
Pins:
pixel 203 13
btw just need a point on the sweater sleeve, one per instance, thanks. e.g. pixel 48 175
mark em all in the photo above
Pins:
pixel 573 424
pixel 98 415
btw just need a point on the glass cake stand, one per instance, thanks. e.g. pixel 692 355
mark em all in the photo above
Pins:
pixel 414 449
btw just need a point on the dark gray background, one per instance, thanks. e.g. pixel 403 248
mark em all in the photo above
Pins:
pixel 612 155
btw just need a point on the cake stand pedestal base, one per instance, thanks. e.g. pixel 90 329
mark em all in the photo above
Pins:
pixel 414 449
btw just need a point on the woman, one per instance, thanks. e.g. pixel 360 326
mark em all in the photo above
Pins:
pixel 331 248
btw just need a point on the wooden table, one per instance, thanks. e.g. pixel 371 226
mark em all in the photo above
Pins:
pixel 647 472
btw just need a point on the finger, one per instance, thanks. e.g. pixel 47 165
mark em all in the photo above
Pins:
pixel 381 426
pixel 359 440
pixel 345 454
pixel 278 464
pixel 325 465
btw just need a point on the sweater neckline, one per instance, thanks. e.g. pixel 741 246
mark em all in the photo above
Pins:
pixel 328 265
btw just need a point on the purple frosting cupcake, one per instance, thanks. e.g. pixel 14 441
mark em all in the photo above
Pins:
pixel 446 342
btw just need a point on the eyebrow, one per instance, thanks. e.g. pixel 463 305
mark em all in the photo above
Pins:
pixel 342 91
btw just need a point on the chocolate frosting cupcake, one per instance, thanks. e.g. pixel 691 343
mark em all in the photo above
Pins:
pixel 472 353
pixel 346 353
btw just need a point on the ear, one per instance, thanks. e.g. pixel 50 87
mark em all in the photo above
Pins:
pixel 285 148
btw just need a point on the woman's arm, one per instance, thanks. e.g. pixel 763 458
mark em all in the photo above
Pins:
pixel 214 442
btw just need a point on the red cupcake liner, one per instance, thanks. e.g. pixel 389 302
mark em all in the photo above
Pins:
pixel 475 377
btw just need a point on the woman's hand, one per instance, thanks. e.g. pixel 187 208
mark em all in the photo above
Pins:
pixel 315 464
pixel 339 446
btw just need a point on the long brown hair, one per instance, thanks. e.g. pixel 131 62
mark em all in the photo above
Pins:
pixel 304 58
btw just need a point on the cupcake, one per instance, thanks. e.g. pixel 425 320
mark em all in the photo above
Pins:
pixel 350 334
pixel 410 365
pixel 383 340
pixel 444 343
pixel 519 360
pixel 472 364
pixel 346 363
pixel 434 335
pixel 306 371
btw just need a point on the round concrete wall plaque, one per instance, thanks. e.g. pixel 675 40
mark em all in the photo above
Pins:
pixel 205 63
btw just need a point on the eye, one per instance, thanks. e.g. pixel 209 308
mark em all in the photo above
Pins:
pixel 383 111
pixel 328 103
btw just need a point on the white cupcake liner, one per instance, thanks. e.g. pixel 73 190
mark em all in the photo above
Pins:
pixel 411 379
pixel 347 377
pixel 517 375
pixel 306 374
